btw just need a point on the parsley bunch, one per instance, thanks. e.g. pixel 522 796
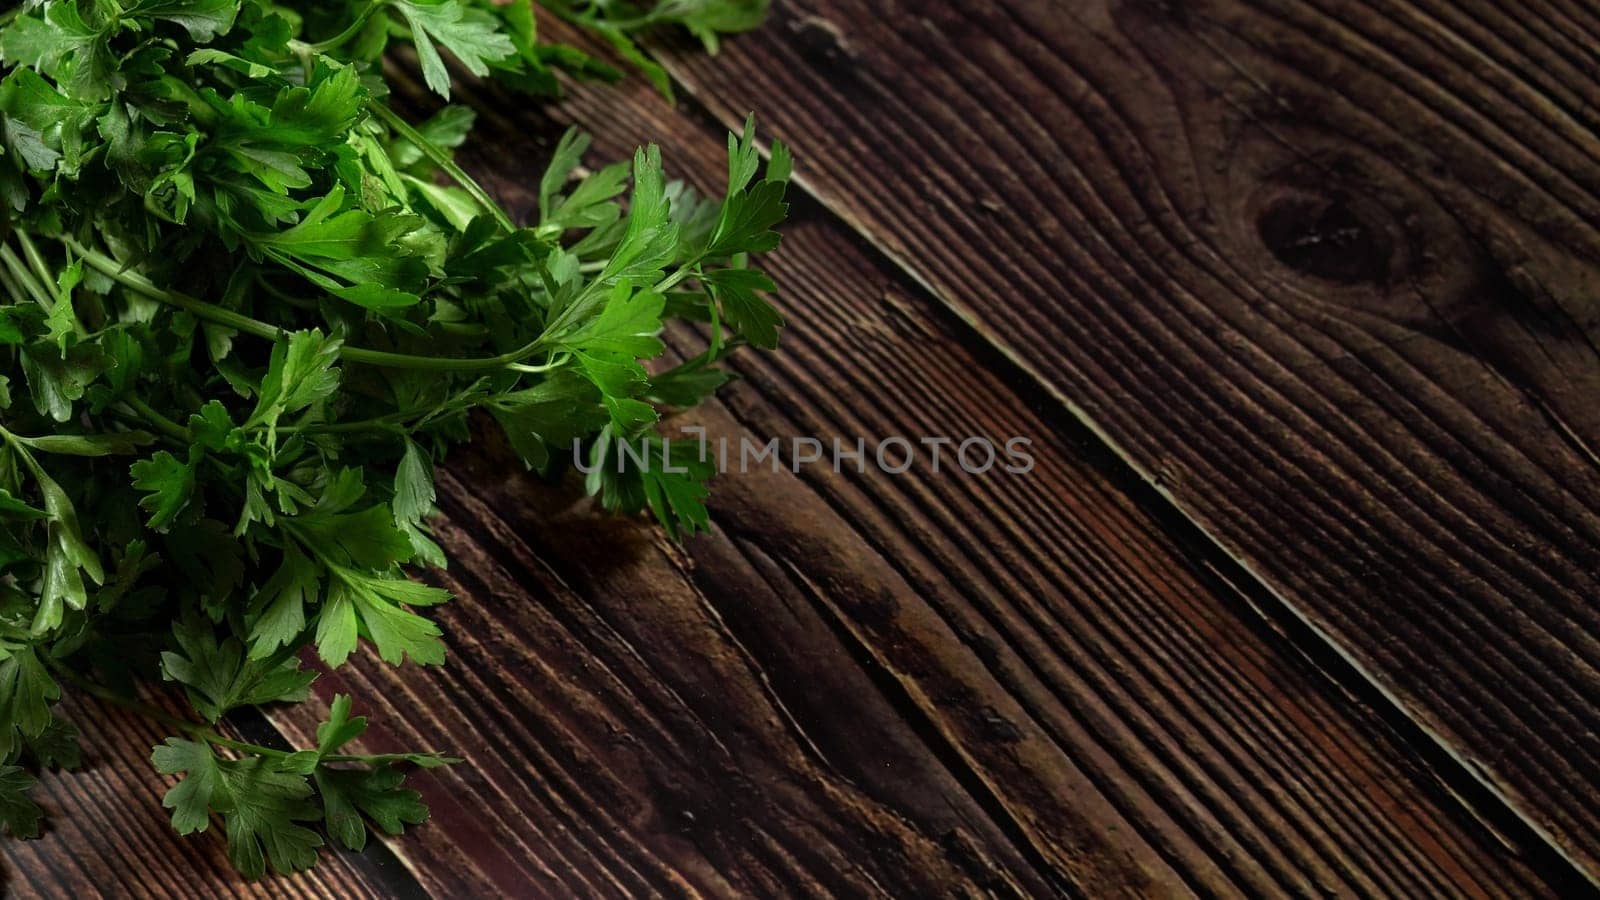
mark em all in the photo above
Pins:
pixel 247 307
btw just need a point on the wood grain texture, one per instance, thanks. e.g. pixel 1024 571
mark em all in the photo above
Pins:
pixel 1324 272
pixel 866 684
pixel 861 684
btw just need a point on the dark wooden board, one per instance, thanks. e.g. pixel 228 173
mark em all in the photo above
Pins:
pixel 1324 272
pixel 918 686
pixel 868 684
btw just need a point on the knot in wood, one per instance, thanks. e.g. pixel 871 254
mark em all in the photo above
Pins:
pixel 1331 237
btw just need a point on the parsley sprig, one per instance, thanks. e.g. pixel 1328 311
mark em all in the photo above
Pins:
pixel 247 305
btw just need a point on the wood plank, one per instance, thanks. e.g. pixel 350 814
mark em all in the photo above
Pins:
pixel 1322 271
pixel 107 835
pixel 863 684
pixel 868 685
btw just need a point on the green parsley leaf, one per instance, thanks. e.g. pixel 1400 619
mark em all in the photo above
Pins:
pixel 57 746
pixel 260 807
pixel 739 292
pixel 350 795
pixel 467 33
pixel 281 604
pixel 249 306
pixel 219 677
pixel 203 19
pixel 20 816
pixel 413 486
pixel 379 607
pixel 170 484
pixel 26 693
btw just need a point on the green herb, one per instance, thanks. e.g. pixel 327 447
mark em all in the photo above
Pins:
pixel 247 307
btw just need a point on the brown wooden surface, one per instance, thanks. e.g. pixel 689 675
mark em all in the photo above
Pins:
pixel 1324 272
pixel 1316 272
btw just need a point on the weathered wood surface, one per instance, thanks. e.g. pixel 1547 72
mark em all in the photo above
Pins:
pixel 1324 272
pixel 946 684
pixel 867 684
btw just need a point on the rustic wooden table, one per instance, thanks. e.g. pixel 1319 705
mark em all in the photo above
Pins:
pixel 1299 304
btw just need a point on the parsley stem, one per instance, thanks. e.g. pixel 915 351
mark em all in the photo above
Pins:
pixel 689 267
pixel 160 422
pixel 440 158
pixel 213 313
pixel 393 422
pixel 672 281
pixel 11 286
pixel 555 363
pixel 31 253
pixel 153 713
pixel 382 423
pixel 25 278
pixel 355 27
pixel 241 746
pixel 439 363
pixel 199 308
pixel 156 714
